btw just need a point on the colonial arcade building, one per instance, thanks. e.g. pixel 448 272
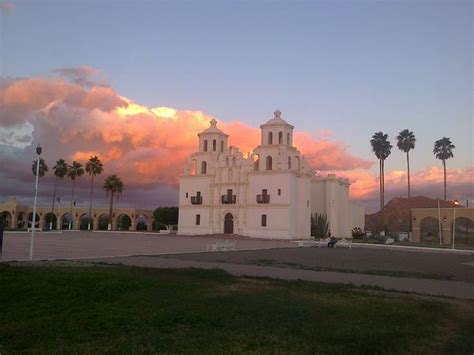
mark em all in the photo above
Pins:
pixel 270 193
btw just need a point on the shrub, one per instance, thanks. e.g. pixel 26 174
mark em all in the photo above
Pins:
pixel 357 233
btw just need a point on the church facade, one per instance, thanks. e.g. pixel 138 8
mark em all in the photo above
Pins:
pixel 271 193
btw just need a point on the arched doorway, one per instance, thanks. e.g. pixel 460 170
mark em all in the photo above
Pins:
pixel 21 220
pixel 7 219
pixel 103 222
pixel 65 221
pixel 123 222
pixel 429 230
pixel 84 222
pixel 30 220
pixel 229 224
pixel 142 223
pixel 51 221
pixel 464 233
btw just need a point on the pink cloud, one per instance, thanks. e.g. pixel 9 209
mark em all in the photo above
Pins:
pixel 148 145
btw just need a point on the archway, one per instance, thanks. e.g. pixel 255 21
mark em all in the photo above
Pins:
pixel 103 222
pixel 84 222
pixel 229 224
pixel 21 220
pixel 464 231
pixel 51 221
pixel 142 223
pixel 30 220
pixel 65 221
pixel 123 222
pixel 7 219
pixel 429 230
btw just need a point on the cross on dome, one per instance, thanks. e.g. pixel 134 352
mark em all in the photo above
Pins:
pixel 277 114
pixel 213 123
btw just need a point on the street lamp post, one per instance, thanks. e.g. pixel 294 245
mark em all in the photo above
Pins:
pixel 456 203
pixel 439 225
pixel 32 240
pixel 59 220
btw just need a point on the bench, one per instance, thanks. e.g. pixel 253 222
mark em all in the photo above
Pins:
pixel 344 243
pixel 225 245
pixel 340 242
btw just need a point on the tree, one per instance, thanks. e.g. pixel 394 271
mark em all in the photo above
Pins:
pixel 60 171
pixel 43 168
pixel 112 185
pixel 167 216
pixel 93 167
pixel 73 172
pixel 405 142
pixel 382 149
pixel 443 150
pixel 319 225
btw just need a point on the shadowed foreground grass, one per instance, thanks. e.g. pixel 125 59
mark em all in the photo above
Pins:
pixel 129 310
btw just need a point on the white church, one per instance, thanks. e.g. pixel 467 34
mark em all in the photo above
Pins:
pixel 271 193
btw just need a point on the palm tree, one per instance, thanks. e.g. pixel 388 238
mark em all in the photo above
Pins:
pixel 93 167
pixel 73 171
pixel 405 142
pixel 443 151
pixel 382 149
pixel 60 171
pixel 112 185
pixel 43 168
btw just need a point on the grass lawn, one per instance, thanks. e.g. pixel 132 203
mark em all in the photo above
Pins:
pixel 47 309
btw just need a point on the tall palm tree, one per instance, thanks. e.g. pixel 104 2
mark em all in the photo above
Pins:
pixel 406 142
pixel 112 185
pixel 43 168
pixel 443 150
pixel 73 172
pixel 93 167
pixel 60 171
pixel 382 149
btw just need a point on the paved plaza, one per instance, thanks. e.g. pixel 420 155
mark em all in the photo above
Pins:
pixel 83 244
pixel 425 271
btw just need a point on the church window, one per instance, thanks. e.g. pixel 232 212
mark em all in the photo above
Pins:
pixel 269 163
pixel 279 192
pixel 214 145
pixel 205 145
pixel 270 138
pixel 264 220
pixel 280 137
pixel 198 219
pixel 186 195
pixel 203 167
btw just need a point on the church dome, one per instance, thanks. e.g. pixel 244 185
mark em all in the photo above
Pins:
pixel 276 121
pixel 212 129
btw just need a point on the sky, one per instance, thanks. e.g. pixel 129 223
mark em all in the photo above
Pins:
pixel 86 77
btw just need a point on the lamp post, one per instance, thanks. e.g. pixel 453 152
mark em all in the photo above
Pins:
pixel 59 221
pixel 32 240
pixel 439 225
pixel 456 203
pixel 73 213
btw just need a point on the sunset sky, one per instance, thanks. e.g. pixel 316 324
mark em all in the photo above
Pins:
pixel 134 82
